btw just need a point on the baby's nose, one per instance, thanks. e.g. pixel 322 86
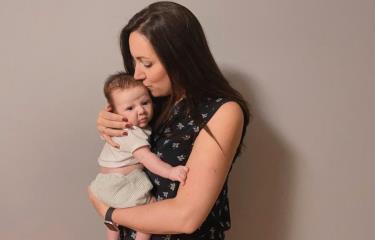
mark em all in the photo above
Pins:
pixel 141 110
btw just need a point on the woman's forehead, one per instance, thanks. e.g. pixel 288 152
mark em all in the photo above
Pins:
pixel 140 46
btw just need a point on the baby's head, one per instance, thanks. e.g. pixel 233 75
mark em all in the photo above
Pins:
pixel 129 98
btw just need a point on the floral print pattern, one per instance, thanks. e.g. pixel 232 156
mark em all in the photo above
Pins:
pixel 173 143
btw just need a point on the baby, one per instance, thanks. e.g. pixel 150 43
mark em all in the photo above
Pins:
pixel 121 182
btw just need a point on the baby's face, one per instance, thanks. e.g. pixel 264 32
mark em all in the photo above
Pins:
pixel 135 104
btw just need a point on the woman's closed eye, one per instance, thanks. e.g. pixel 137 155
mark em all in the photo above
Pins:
pixel 147 64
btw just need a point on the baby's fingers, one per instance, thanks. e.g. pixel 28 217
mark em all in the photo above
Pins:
pixel 182 180
pixel 182 177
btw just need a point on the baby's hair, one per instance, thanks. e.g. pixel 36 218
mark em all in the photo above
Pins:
pixel 120 80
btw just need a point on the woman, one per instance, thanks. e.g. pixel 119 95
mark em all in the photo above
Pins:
pixel 201 124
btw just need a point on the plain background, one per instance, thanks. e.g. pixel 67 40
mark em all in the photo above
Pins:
pixel 306 67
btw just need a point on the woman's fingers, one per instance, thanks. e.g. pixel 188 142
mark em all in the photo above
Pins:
pixel 109 140
pixel 110 125
pixel 111 116
pixel 102 137
pixel 113 132
pixel 105 123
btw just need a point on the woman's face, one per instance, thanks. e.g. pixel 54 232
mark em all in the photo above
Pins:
pixel 147 66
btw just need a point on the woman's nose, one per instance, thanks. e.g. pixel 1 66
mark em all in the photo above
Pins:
pixel 138 73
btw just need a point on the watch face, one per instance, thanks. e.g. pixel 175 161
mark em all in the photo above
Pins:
pixel 111 226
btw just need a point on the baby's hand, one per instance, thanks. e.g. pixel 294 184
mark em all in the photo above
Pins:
pixel 179 173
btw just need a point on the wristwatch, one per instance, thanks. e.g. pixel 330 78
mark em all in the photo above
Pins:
pixel 108 220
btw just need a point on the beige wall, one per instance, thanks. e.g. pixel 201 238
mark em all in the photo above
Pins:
pixel 307 67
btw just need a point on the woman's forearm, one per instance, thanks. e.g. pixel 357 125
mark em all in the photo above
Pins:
pixel 163 217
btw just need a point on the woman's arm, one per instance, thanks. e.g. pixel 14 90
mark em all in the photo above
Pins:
pixel 208 168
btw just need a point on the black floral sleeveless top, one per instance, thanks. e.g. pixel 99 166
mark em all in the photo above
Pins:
pixel 173 143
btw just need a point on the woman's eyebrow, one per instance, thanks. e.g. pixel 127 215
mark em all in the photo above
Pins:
pixel 143 58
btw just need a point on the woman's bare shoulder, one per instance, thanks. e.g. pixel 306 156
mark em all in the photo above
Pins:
pixel 228 113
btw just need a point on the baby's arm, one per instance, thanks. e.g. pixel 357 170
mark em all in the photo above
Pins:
pixel 153 163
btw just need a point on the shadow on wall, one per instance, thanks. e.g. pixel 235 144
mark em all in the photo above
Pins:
pixel 262 179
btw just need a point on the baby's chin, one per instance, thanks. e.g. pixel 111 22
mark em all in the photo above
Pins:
pixel 143 125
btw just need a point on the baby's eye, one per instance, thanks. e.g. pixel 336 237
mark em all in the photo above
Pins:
pixel 129 108
pixel 145 102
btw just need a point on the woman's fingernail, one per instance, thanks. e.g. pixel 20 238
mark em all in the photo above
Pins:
pixel 124 134
pixel 125 119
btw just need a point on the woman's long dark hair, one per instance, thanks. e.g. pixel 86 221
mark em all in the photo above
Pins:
pixel 179 41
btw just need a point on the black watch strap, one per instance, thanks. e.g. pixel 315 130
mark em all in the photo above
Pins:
pixel 108 219
pixel 108 214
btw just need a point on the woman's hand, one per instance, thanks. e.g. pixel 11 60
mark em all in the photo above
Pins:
pixel 100 207
pixel 110 125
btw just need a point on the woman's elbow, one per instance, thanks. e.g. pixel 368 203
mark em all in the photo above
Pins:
pixel 191 222
pixel 189 227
